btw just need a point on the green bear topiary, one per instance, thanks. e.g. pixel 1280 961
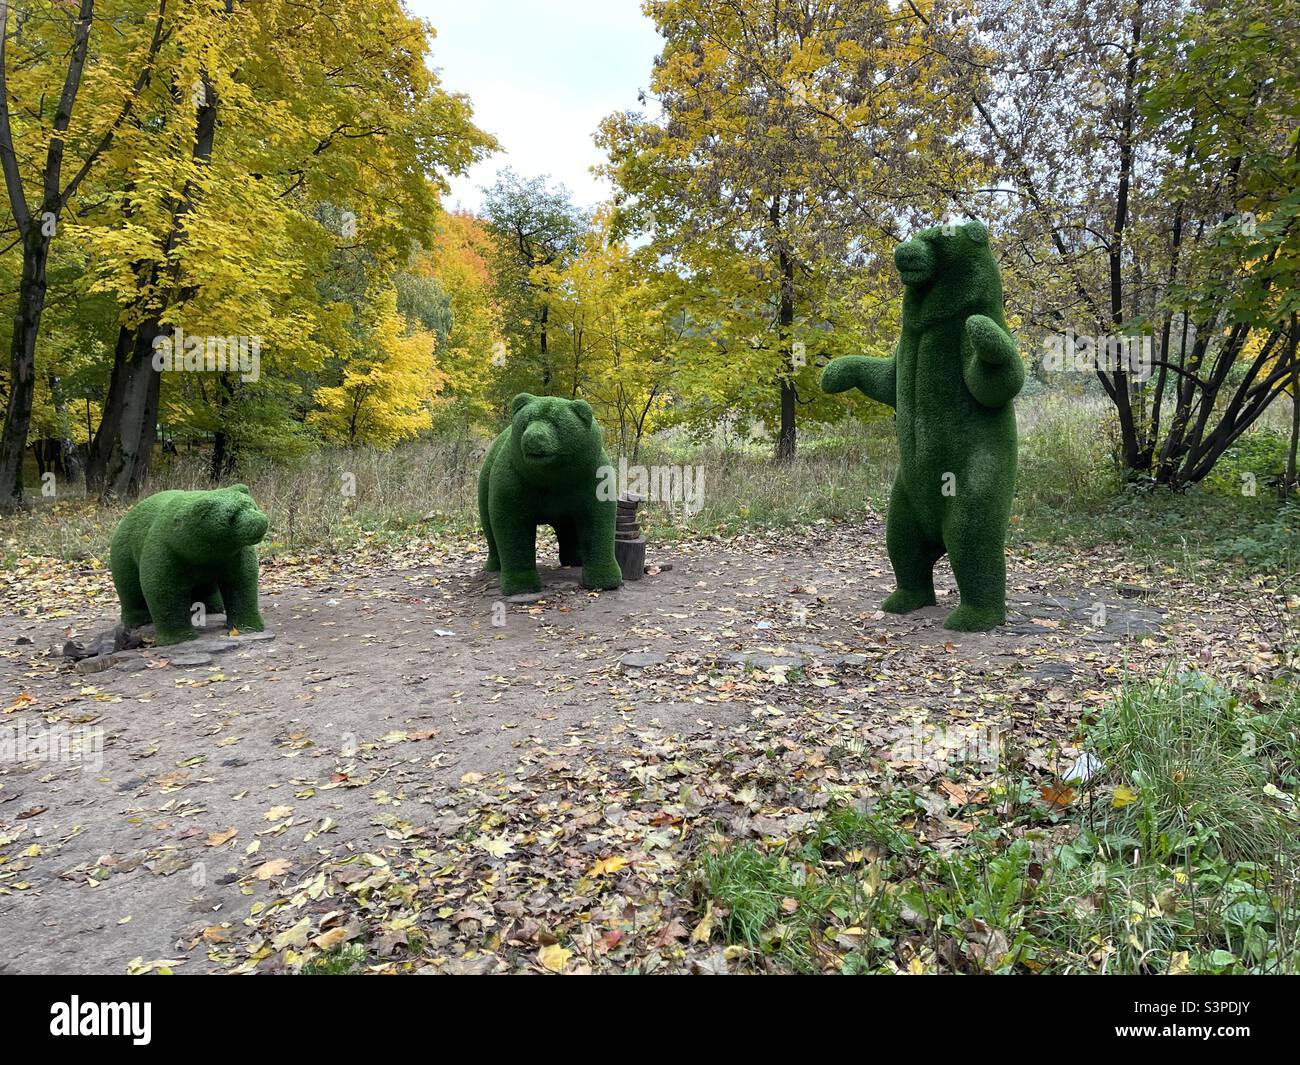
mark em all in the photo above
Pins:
pixel 952 380
pixel 543 470
pixel 175 549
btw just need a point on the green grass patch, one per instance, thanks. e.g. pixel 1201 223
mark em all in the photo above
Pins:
pixel 1179 855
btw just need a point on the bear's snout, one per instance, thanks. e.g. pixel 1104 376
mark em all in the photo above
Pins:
pixel 251 526
pixel 915 261
pixel 539 441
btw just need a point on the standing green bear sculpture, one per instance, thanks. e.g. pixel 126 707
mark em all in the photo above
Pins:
pixel 543 470
pixel 176 549
pixel 951 380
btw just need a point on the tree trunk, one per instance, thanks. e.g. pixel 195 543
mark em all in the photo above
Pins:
pixel 1289 484
pixel 1122 388
pixel 542 346
pixel 126 465
pixel 22 366
pixel 786 437
pixel 110 422
pixel 223 454
pixel 69 462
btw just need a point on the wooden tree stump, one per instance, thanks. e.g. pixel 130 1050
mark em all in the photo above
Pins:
pixel 629 544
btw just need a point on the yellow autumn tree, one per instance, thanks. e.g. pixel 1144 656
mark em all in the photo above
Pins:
pixel 389 382
pixel 789 146
pixel 620 332
pixel 475 347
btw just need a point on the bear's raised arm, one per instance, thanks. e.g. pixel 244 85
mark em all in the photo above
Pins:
pixel 991 366
pixel 876 377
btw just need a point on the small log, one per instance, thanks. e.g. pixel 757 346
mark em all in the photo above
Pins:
pixel 631 557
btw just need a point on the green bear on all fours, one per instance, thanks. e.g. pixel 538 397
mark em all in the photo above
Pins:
pixel 952 380
pixel 175 549
pixel 543 470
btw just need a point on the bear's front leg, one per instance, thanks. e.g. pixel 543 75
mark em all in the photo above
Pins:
pixel 877 378
pixel 516 540
pixel 238 588
pixel 992 368
pixel 167 592
pixel 600 569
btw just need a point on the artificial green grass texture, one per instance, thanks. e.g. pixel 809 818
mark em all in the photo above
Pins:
pixel 543 470
pixel 176 549
pixel 952 381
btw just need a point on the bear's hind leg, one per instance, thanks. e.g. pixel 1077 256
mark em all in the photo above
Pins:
pixel 976 543
pixel 600 569
pixel 126 579
pixel 566 532
pixel 912 554
pixel 493 563
pixel 210 596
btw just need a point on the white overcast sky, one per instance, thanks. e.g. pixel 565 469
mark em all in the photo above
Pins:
pixel 541 74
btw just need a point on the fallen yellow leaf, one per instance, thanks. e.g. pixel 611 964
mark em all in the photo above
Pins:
pixel 704 930
pixel 554 957
pixel 331 939
pixel 608 865
pixel 275 867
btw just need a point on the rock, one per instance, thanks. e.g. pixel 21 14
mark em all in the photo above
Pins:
pixel 1052 671
pixel 756 660
pixel 129 663
pixel 23 639
pixel 187 659
pixel 642 660
pixel 93 664
pixel 102 643
pixel 76 650
pixel 125 639
pixel 212 644
pixel 1134 591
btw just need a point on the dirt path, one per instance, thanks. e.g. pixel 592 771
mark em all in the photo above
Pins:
pixel 461 784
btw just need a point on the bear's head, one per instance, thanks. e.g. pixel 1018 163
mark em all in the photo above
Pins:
pixel 218 523
pixel 949 272
pixel 552 436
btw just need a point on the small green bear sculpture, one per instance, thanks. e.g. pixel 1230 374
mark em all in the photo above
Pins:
pixel 176 549
pixel 543 470
pixel 951 380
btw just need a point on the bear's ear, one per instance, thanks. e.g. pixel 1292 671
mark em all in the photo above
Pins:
pixel 520 402
pixel 203 506
pixel 583 410
pixel 241 488
pixel 977 231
